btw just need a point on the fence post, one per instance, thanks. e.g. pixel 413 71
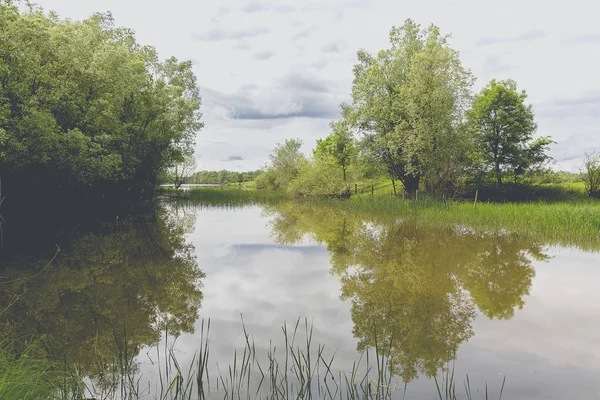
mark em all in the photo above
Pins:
pixel 417 195
pixel 372 190
pixel 475 204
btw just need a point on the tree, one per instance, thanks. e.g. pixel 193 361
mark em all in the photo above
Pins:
pixel 285 162
pixel 84 107
pixel 591 173
pixel 409 100
pixel 338 147
pixel 183 169
pixel 503 126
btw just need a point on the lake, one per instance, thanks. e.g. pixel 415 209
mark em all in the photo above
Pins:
pixel 433 300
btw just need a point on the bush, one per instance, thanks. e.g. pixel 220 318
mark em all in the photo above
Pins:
pixel 591 173
pixel 318 178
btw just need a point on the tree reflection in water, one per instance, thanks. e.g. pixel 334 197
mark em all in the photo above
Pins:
pixel 414 287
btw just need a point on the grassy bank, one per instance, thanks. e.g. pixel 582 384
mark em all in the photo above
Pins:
pixel 569 223
pixel 573 222
pixel 221 197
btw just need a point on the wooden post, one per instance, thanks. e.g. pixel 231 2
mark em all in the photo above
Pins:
pixel 355 188
pixel 417 195
pixel 475 204
pixel 372 190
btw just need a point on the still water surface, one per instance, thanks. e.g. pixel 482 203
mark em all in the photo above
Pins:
pixel 508 305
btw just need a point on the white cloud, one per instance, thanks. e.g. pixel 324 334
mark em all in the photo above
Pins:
pixel 550 48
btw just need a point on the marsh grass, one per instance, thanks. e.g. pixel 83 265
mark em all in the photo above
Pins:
pixel 574 223
pixel 25 373
pixel 213 197
pixel 295 368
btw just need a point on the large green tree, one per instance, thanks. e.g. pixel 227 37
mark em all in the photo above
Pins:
pixel 84 106
pixel 409 101
pixel 504 127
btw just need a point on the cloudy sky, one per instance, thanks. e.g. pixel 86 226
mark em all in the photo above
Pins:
pixel 273 70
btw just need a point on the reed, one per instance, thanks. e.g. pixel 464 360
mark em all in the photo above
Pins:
pixel 299 369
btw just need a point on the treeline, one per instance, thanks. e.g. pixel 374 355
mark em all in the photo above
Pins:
pixel 222 177
pixel 84 108
pixel 415 119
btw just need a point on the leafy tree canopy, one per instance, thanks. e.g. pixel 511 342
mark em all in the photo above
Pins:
pixel 503 127
pixel 84 106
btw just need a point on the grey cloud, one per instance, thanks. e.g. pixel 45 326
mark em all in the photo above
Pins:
pixel 581 101
pixel 494 65
pixel 320 64
pixel 305 104
pixel 302 34
pixel 242 45
pixel 233 158
pixel 265 55
pixel 585 106
pixel 593 39
pixel 257 6
pixel 219 34
pixel 356 4
pixel 523 37
pixel 333 47
pixel 305 83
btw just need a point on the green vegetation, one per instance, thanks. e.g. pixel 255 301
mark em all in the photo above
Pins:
pixel 222 177
pixel 415 122
pixel 26 373
pixel 591 174
pixel 302 369
pixel 220 197
pixel 414 284
pixel 85 109
pixel 503 127
pixel 120 280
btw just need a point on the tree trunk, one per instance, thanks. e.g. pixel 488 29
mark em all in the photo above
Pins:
pixel 411 184
pixel 498 174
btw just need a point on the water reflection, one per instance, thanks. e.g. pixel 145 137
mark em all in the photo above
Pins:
pixel 414 286
pixel 115 285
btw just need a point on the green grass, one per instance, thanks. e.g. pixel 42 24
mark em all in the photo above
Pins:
pixel 25 373
pixel 222 197
pixel 569 223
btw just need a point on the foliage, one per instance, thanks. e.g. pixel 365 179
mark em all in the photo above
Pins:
pixel 503 127
pixel 119 280
pixel 319 178
pixel 26 373
pixel 183 169
pixel 338 148
pixel 413 286
pixel 591 173
pixel 285 162
pixel 223 176
pixel 408 101
pixel 84 106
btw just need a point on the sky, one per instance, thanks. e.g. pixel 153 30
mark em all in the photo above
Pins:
pixel 272 70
